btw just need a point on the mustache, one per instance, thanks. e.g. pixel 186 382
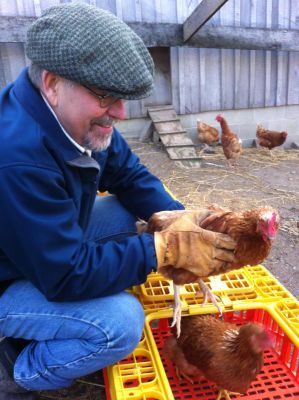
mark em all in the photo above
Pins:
pixel 105 120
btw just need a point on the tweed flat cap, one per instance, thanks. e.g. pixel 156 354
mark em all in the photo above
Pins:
pixel 91 46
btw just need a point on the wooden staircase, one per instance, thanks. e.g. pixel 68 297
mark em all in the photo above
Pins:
pixel 175 139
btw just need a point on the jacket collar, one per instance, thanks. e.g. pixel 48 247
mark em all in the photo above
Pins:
pixel 31 100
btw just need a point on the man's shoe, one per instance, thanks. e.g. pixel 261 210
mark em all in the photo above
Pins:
pixel 9 390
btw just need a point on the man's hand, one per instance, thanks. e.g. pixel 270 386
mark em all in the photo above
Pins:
pixel 184 245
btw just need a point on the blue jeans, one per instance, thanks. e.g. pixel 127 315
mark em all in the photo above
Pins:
pixel 72 339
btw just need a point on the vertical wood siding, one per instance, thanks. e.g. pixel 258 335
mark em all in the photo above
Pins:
pixel 197 79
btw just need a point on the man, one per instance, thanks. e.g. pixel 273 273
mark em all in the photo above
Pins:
pixel 67 255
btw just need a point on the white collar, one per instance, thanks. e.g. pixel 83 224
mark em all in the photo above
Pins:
pixel 79 147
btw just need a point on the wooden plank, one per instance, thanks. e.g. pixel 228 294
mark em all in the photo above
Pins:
pixel 282 74
pixel 182 79
pixel 203 12
pixel 161 115
pixel 245 38
pixel 161 107
pixel 293 87
pixel 193 84
pixel 182 153
pixel 213 79
pixel 2 69
pixel 192 163
pixel 242 73
pixel 174 74
pixel 166 120
pixel 167 127
pixel 13 29
pixel 228 73
pixel 180 139
pixel 168 132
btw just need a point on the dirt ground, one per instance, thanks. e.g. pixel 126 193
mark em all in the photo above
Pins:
pixel 258 180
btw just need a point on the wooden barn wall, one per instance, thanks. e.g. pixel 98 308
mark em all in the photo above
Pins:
pixel 196 80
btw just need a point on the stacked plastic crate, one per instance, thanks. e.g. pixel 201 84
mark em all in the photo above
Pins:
pixel 249 294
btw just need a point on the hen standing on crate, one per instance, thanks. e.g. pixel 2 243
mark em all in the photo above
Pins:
pixel 66 255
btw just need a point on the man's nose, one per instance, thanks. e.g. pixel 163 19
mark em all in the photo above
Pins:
pixel 117 110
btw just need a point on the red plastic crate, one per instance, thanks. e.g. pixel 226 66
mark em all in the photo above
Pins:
pixel 278 380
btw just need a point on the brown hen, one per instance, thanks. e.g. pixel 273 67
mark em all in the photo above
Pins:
pixel 270 139
pixel 231 143
pixel 253 230
pixel 207 135
pixel 226 354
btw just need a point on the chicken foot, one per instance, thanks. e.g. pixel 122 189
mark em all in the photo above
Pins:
pixel 223 394
pixel 181 375
pixel 177 310
pixel 207 149
pixel 207 293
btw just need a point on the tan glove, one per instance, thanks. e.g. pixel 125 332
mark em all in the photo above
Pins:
pixel 185 245
pixel 161 220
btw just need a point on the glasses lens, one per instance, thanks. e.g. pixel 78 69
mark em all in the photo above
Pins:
pixel 107 101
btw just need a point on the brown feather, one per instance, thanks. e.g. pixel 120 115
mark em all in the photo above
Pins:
pixel 270 139
pixel 231 144
pixel 226 354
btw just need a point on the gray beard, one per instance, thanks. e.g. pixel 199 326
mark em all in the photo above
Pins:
pixel 99 144
pixel 96 145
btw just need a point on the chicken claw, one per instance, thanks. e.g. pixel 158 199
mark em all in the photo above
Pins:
pixel 181 375
pixel 177 310
pixel 223 394
pixel 207 293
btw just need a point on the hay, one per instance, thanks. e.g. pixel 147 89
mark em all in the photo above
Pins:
pixel 237 188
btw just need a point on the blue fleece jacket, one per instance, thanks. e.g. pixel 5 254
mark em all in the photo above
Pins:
pixel 47 190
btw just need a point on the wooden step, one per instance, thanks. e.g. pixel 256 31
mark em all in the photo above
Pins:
pixel 182 153
pixel 179 139
pixel 174 137
pixel 168 127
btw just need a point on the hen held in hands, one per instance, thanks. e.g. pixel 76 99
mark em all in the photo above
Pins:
pixel 253 232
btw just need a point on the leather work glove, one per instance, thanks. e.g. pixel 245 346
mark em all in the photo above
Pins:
pixel 161 220
pixel 184 245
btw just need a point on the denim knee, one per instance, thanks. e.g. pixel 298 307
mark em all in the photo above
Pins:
pixel 130 323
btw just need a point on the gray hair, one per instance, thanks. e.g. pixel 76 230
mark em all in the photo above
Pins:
pixel 35 75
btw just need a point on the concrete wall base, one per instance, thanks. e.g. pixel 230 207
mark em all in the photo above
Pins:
pixel 243 122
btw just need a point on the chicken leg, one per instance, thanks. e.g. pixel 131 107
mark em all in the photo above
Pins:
pixel 177 310
pixel 209 295
pixel 223 394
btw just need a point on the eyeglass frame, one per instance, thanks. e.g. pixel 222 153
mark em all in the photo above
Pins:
pixel 102 97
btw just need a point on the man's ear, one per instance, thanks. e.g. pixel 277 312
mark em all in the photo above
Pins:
pixel 50 87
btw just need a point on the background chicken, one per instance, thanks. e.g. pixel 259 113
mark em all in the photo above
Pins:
pixel 253 230
pixel 229 355
pixel 269 139
pixel 207 135
pixel 231 143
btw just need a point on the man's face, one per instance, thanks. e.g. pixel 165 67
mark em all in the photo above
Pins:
pixel 80 113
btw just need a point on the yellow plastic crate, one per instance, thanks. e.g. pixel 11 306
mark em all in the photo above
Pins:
pixel 135 377
pixel 159 288
pixel 248 284
pixel 289 313
pixel 153 377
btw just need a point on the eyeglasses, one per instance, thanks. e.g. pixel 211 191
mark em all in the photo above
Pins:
pixel 106 100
